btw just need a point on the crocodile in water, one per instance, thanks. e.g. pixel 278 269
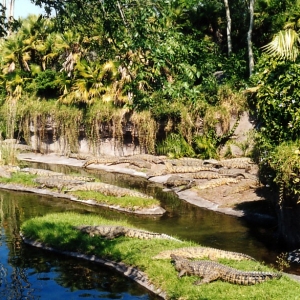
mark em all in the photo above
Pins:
pixel 211 271
pixel 111 232
pixel 203 252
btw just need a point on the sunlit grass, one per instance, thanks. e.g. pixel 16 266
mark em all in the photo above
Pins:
pixel 20 178
pixel 56 230
pixel 128 202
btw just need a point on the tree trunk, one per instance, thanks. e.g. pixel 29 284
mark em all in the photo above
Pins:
pixel 11 9
pixel 228 19
pixel 249 37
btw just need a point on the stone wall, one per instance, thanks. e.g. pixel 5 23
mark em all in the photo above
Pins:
pixel 129 145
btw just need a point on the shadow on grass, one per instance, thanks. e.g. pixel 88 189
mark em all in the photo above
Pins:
pixel 64 237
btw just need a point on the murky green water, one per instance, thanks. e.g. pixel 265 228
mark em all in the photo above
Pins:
pixel 30 273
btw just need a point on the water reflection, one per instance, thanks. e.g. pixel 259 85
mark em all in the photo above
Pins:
pixel 30 273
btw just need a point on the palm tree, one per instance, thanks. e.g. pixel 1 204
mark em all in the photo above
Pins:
pixel 92 81
pixel 285 44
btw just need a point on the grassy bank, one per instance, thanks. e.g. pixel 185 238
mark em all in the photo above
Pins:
pixel 127 202
pixel 56 231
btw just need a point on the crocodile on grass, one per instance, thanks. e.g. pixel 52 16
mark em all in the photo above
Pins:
pixel 41 172
pixel 203 252
pixel 57 182
pixel 108 189
pixel 111 232
pixel 210 271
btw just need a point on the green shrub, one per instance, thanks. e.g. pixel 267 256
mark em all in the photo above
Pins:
pixel 175 146
pixel 277 105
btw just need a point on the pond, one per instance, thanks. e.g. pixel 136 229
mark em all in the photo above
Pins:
pixel 30 273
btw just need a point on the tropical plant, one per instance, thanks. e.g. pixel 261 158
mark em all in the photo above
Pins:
pixel 285 44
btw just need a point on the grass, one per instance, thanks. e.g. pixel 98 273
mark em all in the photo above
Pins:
pixel 20 178
pixel 128 202
pixel 56 231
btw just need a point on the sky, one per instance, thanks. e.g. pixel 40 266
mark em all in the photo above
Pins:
pixel 23 8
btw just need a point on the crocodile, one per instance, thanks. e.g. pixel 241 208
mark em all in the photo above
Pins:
pixel 99 160
pixel 176 180
pixel 113 231
pixel 241 187
pixel 216 182
pixel 211 175
pixel 186 162
pixel 156 172
pixel 236 163
pixel 80 156
pixel 210 271
pixel 187 169
pixel 203 252
pixel 41 172
pixel 57 182
pixel 132 161
pixel 108 190
pixel 149 158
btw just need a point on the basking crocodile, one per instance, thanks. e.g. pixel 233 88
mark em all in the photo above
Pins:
pixel 109 190
pixel 186 161
pixel 211 271
pixel 149 158
pixel 187 169
pixel 99 160
pixel 58 182
pixel 241 187
pixel 203 252
pixel 111 232
pixel 236 163
pixel 156 172
pixel 211 175
pixel 216 182
pixel 176 180
pixel 80 156
pixel 132 161
pixel 41 172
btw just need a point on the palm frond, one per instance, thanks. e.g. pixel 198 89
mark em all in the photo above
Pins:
pixel 284 45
